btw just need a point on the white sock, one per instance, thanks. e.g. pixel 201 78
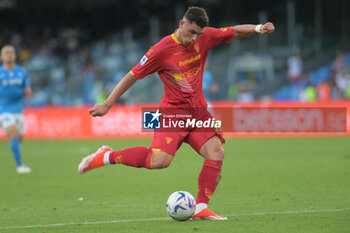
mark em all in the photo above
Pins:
pixel 106 158
pixel 200 207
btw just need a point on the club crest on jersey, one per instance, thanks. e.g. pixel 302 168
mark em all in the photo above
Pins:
pixel 196 47
pixel 143 60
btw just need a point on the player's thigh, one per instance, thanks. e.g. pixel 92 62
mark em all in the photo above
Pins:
pixel 8 124
pixel 168 142
pixel 164 146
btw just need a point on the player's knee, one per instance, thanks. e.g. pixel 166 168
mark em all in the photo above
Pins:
pixel 218 152
pixel 161 160
pixel 160 164
pixel 213 150
pixel 12 131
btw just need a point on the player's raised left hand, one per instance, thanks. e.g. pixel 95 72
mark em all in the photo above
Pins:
pixel 267 28
pixel 98 110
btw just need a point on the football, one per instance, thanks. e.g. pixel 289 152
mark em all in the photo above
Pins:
pixel 181 205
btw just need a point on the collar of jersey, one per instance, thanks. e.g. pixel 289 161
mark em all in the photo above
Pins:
pixel 175 39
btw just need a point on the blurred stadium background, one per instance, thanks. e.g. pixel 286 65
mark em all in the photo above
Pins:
pixel 77 51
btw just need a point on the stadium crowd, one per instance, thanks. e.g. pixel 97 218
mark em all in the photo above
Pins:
pixel 69 65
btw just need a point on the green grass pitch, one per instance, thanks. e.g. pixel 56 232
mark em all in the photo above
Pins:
pixel 269 185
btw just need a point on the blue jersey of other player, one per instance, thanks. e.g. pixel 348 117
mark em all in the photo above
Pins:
pixel 207 82
pixel 12 83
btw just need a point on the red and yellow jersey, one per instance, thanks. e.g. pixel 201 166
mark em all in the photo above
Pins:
pixel 181 67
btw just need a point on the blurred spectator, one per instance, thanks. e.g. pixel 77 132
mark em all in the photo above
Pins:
pixel 342 79
pixel 232 92
pixel 308 94
pixel 244 92
pixel 323 90
pixel 295 67
pixel 347 92
pixel 340 76
pixel 68 61
pixel 339 62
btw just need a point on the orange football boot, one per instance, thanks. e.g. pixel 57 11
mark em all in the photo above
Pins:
pixel 207 214
pixel 94 160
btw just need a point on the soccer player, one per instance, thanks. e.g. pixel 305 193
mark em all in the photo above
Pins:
pixel 179 60
pixel 14 85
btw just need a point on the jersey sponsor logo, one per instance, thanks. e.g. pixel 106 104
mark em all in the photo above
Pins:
pixel 188 74
pixel 151 120
pixel 143 60
pixel 192 72
pixel 177 53
pixel 190 60
pixel 196 47
pixel 16 81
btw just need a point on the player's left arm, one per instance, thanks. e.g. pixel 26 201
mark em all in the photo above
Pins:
pixel 246 30
pixel 27 91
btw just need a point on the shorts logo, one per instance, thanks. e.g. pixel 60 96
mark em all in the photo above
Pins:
pixel 151 120
pixel 168 140
pixel 143 60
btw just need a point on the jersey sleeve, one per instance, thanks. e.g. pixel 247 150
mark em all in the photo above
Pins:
pixel 149 63
pixel 219 35
pixel 26 80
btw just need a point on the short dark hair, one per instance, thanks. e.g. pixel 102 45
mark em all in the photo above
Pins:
pixel 197 15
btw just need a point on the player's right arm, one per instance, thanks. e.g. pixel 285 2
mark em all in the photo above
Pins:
pixel 246 30
pixel 120 88
pixel 150 63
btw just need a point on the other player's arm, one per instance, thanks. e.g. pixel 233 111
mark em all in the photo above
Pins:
pixel 120 88
pixel 246 30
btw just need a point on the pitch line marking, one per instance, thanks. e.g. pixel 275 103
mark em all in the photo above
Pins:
pixel 168 218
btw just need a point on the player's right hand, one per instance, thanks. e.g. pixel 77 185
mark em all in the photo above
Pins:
pixel 98 110
pixel 267 28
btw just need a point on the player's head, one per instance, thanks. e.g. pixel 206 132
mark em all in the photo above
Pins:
pixel 193 24
pixel 8 55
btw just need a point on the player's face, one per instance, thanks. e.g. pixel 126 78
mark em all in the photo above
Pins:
pixel 8 54
pixel 189 32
